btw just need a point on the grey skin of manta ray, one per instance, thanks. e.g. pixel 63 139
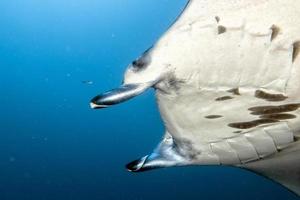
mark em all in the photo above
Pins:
pixel 227 82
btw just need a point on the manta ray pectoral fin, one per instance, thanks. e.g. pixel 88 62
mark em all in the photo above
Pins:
pixel 118 95
pixel 282 167
pixel 165 155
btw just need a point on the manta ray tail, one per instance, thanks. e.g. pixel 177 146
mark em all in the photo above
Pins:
pixel 283 168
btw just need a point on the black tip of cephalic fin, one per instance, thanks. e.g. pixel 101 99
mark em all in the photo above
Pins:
pixel 165 155
pixel 137 165
pixel 147 163
pixel 132 166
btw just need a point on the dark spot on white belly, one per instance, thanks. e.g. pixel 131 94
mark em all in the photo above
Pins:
pixel 237 131
pixel 142 62
pixel 296 50
pixel 213 116
pixel 251 124
pixel 264 110
pixel 223 98
pixel 234 91
pixel 280 116
pixel 269 97
pixel 221 29
pixel 275 31
pixel 267 114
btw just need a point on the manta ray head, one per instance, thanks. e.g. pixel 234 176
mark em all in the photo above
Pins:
pixel 142 74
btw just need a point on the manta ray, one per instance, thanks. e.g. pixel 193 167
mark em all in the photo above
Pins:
pixel 226 76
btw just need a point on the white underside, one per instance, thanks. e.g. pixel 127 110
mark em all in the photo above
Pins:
pixel 205 63
pixel 215 46
pixel 185 119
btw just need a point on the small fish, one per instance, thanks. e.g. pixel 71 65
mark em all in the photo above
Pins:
pixel 87 82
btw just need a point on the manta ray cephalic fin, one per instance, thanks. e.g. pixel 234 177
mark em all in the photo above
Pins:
pixel 165 155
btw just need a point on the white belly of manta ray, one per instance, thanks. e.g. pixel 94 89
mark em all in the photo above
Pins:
pixel 227 81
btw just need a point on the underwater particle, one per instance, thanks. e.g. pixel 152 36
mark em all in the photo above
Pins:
pixel 68 48
pixel 27 175
pixel 12 159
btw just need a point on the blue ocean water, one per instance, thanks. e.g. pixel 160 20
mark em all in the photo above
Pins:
pixel 53 146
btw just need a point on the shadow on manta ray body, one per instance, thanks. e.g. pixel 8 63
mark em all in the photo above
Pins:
pixel 227 81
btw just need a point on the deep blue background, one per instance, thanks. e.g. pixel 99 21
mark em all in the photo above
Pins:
pixel 52 145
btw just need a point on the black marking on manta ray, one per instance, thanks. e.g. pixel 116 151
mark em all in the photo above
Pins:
pixel 252 124
pixel 279 116
pixel 275 31
pixel 221 29
pixel 142 62
pixel 296 50
pixel 224 98
pixel 175 84
pixel 138 64
pixel 147 51
pixel 264 110
pixel 268 114
pixel 269 97
pixel 234 91
pixel 237 131
pixel 213 116
pixel 217 19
